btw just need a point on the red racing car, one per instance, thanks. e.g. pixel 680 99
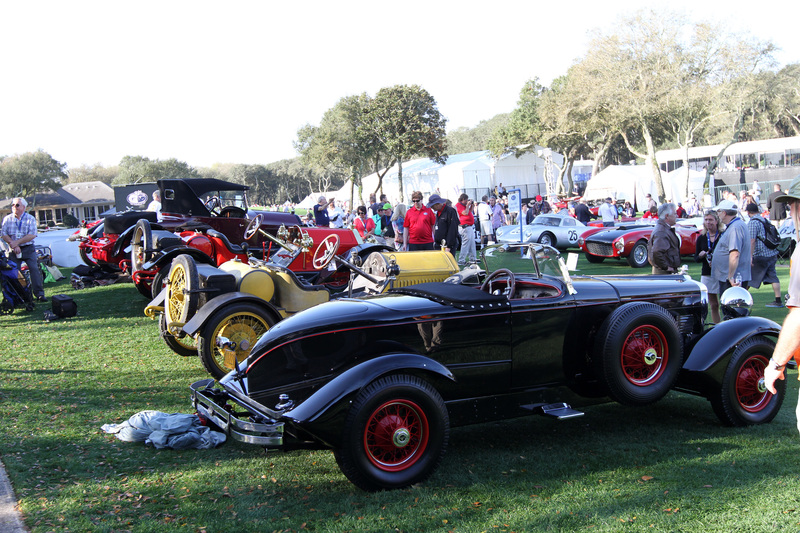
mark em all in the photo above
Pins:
pixel 630 241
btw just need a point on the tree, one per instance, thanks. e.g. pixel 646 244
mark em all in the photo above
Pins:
pixel 405 122
pixel 523 129
pixel 341 146
pixel 139 169
pixel 465 140
pixel 29 173
pixel 96 172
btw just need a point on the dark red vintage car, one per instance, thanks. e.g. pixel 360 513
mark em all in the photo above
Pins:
pixel 195 205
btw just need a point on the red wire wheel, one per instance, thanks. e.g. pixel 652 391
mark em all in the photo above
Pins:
pixel 638 353
pixel 742 399
pixel 751 392
pixel 644 355
pixel 396 435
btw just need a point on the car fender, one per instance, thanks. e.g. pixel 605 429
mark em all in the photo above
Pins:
pixel 322 413
pixel 196 322
pixel 707 357
pixel 122 241
pixel 168 254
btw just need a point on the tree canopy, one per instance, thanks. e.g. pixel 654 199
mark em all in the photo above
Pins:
pixel 29 173
pixel 405 121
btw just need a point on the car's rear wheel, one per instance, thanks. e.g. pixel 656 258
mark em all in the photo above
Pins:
pixel 395 434
pixel 184 346
pixel 159 281
pixel 86 256
pixel 743 399
pixel 547 238
pixel 638 353
pixel 638 256
pixel 229 334
pixel 182 296
pixel 594 258
pixel 141 245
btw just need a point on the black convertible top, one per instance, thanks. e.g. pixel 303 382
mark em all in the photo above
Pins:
pixel 459 296
pixel 203 185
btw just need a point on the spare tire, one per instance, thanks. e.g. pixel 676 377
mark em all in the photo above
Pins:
pixel 638 353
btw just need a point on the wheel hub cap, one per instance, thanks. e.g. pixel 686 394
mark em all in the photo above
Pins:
pixel 401 437
pixel 650 356
pixel 762 388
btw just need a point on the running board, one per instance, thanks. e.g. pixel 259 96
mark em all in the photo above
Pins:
pixel 559 411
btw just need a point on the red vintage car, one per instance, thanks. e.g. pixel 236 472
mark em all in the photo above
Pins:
pixel 153 249
pixel 630 241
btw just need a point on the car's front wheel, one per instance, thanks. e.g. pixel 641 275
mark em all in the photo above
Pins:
pixel 547 238
pixel 395 434
pixel 229 334
pixel 638 353
pixel 638 256
pixel 743 399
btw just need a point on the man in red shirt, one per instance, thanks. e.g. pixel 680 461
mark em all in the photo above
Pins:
pixel 418 225
pixel 466 229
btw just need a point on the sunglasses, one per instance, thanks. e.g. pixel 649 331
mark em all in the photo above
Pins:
pixel 16 205
pixel 415 200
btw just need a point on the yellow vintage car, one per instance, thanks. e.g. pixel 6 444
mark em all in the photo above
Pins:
pixel 219 312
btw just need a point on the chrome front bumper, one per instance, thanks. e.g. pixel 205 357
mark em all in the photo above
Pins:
pixel 222 409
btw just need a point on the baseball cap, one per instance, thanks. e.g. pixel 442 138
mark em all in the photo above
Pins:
pixel 387 206
pixel 725 205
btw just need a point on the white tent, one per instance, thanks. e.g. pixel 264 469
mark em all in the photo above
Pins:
pixel 675 184
pixel 309 201
pixel 622 182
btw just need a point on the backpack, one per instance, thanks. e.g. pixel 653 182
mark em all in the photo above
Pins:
pixel 771 238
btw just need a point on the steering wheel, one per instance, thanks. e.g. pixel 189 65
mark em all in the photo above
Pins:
pixel 326 251
pixel 500 272
pixel 252 227
pixel 213 204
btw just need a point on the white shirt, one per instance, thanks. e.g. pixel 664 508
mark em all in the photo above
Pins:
pixel 608 212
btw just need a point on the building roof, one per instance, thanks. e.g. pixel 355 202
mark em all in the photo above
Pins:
pixel 87 192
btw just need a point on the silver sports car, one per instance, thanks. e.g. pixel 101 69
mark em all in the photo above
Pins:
pixel 559 231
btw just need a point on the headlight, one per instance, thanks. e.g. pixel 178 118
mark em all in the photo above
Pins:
pixel 735 302
pixel 619 244
pixel 581 241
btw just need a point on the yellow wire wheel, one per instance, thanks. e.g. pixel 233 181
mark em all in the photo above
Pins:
pixel 229 335
pixel 182 296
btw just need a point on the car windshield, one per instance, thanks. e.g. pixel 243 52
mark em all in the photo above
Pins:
pixel 547 220
pixel 535 259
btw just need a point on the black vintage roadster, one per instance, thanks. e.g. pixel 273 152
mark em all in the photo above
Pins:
pixel 381 380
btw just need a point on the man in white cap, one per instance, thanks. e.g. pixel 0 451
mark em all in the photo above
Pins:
pixel 730 264
pixel 789 340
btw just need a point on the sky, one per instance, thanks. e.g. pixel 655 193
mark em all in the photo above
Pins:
pixel 204 82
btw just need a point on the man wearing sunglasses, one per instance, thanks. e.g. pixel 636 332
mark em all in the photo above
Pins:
pixel 418 225
pixel 19 231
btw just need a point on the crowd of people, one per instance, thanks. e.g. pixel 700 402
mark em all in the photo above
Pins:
pixel 731 246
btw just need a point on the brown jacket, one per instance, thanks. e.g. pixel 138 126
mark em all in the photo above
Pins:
pixel 664 248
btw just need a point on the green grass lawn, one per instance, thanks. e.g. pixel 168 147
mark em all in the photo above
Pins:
pixel 667 467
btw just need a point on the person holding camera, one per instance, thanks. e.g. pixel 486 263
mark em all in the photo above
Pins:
pixel 466 230
pixel 321 212
pixel 704 251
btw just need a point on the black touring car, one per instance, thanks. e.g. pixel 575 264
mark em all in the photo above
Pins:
pixel 381 380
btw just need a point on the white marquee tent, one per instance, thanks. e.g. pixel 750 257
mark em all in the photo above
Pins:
pixel 476 173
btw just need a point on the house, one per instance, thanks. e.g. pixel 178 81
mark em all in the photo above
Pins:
pixel 84 201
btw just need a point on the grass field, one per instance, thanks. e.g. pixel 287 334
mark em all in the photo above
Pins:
pixel 667 467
